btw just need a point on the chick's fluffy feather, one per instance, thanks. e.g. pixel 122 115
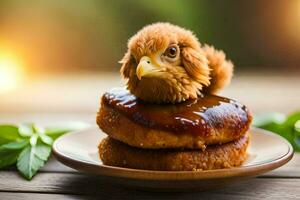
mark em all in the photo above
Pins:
pixel 197 70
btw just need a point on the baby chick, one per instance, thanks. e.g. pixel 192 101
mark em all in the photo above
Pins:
pixel 165 63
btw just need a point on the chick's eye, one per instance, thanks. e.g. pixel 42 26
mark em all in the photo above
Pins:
pixel 171 51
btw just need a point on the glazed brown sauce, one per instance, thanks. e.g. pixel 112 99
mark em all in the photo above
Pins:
pixel 192 116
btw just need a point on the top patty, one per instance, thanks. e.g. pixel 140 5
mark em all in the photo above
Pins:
pixel 191 124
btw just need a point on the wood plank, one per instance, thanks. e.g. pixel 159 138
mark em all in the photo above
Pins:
pixel 48 119
pixel 30 196
pixel 54 166
pixel 81 93
pixel 142 195
pixel 265 93
pixel 51 166
pixel 256 188
pixel 291 169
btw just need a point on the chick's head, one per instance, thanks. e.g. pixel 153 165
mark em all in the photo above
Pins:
pixel 165 64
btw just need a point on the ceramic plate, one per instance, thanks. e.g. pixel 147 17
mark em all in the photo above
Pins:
pixel 78 150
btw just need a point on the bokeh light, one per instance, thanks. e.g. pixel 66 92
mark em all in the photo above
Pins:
pixel 11 72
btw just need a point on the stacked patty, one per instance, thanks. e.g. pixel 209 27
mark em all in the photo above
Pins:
pixel 207 133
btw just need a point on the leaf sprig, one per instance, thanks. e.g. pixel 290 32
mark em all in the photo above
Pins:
pixel 285 126
pixel 28 146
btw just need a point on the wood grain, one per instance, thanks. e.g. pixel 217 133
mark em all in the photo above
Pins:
pixel 79 184
pixel 130 195
pixel 291 169
pixel 81 93
pixel 30 196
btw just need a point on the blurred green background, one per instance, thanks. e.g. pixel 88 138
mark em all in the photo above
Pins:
pixel 58 36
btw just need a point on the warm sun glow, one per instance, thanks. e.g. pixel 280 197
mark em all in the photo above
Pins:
pixel 10 72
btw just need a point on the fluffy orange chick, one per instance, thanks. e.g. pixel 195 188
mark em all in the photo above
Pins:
pixel 165 63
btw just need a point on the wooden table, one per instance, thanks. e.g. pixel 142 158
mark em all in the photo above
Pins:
pixel 77 99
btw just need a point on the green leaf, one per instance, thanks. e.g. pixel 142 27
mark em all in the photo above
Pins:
pixel 292 119
pixel 26 130
pixel 287 133
pixel 29 145
pixel 297 136
pixel 55 131
pixel 46 139
pixel 287 127
pixel 38 129
pixel 8 158
pixel 297 142
pixel 43 151
pixel 9 152
pixel 33 140
pixel 13 146
pixel 8 133
pixel 297 126
pixel 32 158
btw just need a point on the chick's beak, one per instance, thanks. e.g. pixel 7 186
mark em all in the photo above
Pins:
pixel 146 67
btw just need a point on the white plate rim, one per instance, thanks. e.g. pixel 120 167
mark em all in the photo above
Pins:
pixel 105 170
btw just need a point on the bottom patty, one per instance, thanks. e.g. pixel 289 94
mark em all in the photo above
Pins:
pixel 232 154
